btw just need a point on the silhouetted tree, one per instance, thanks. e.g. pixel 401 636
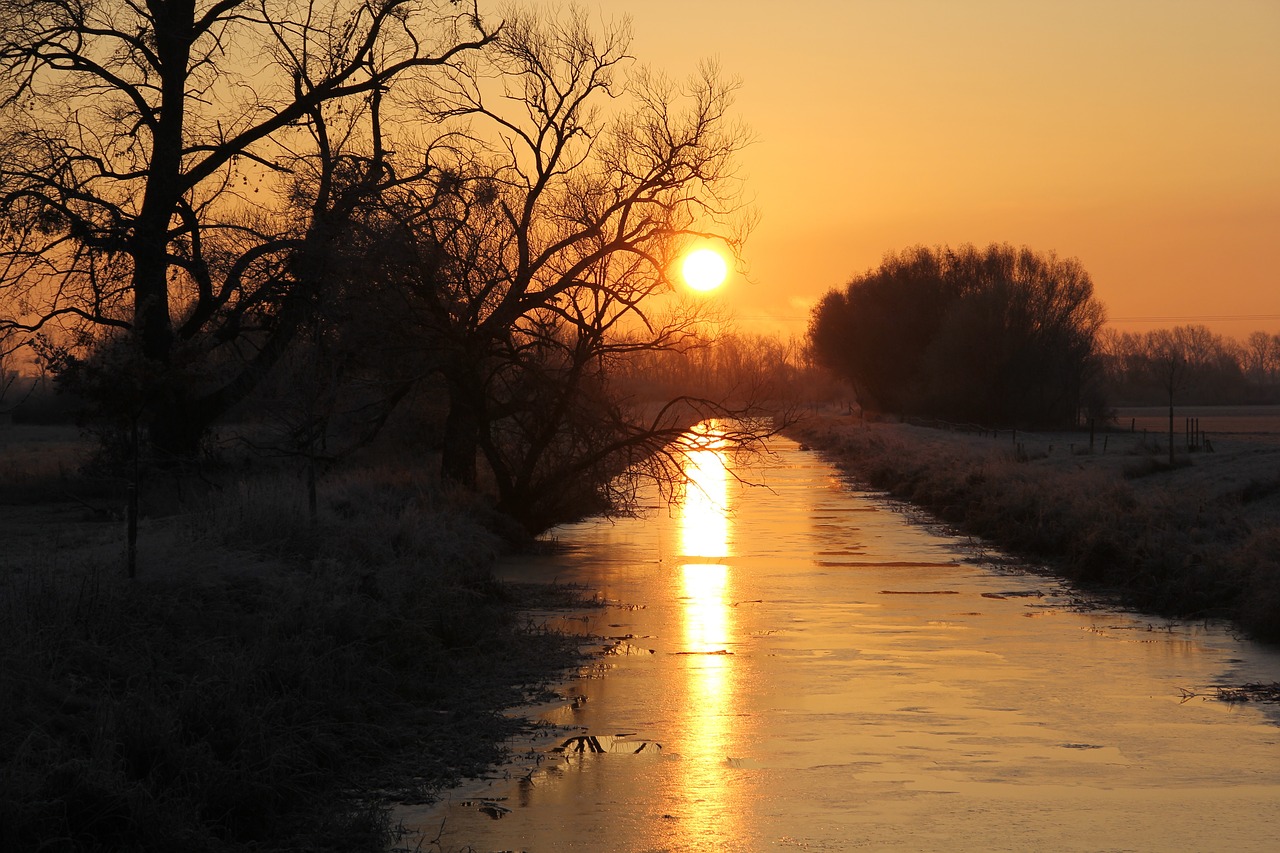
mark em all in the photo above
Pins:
pixel 1169 361
pixel 1260 362
pixel 876 332
pixel 183 171
pixel 1191 362
pixel 999 335
pixel 732 366
pixel 534 262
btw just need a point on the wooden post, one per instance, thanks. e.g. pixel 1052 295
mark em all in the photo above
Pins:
pixel 131 512
pixel 312 512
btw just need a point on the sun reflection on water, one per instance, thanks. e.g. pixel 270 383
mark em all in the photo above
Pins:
pixel 704 513
pixel 709 675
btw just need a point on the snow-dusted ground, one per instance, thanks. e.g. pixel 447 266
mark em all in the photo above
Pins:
pixel 1245 444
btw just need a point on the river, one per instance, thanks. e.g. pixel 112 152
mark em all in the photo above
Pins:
pixel 801 665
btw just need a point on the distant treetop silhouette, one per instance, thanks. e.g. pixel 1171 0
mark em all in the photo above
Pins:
pixel 995 336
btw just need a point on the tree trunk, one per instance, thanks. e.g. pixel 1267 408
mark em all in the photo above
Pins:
pixel 176 427
pixel 461 436
pixel 171 427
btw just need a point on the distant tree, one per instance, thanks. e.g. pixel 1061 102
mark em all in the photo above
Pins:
pixel 731 366
pixel 1169 362
pixel 1260 362
pixel 1191 363
pixel 8 369
pixel 181 172
pixel 999 335
pixel 1122 364
pixel 1212 369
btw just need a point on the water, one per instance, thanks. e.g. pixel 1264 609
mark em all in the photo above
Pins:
pixel 808 669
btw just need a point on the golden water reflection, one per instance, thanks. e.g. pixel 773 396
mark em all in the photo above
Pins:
pixel 704 511
pixel 710 677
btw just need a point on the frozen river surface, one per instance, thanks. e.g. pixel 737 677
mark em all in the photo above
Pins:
pixel 808 669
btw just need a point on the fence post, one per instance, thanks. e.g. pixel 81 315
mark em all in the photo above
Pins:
pixel 131 512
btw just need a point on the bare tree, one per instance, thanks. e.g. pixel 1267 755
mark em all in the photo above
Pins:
pixel 1260 359
pixel 731 366
pixel 178 172
pixel 543 255
pixel 1169 361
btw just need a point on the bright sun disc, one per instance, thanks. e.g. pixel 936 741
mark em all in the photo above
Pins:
pixel 704 269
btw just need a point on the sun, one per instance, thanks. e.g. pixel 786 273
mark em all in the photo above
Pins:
pixel 704 269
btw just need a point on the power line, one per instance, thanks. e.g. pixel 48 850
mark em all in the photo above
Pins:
pixel 1169 319
pixel 1183 318
pixel 1191 317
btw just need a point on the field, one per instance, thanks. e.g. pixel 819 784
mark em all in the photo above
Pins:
pixel 1260 424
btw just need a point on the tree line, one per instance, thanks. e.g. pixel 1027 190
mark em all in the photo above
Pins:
pixel 1202 367
pixel 1010 336
pixel 339 212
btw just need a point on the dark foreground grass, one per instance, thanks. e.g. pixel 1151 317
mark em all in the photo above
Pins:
pixel 1156 549
pixel 268 711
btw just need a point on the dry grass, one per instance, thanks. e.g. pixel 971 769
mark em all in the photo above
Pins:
pixel 1197 539
pixel 36 462
pixel 264 676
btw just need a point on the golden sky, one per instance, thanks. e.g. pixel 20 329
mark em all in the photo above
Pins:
pixel 1140 136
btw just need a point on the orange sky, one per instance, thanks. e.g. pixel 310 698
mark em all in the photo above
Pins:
pixel 1140 136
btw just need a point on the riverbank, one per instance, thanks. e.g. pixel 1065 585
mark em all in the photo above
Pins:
pixel 267 682
pixel 1199 539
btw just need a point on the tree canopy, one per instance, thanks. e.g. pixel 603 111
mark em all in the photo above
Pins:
pixel 397 194
pixel 175 175
pixel 542 259
pixel 997 335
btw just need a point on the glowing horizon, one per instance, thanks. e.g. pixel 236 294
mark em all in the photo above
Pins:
pixel 1139 138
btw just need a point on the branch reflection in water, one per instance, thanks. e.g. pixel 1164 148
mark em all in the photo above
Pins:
pixel 710 679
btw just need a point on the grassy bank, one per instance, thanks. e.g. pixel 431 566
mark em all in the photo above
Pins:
pixel 267 682
pixel 1199 539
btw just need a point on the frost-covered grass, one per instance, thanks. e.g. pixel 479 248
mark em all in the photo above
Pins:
pixel 36 461
pixel 1201 538
pixel 269 681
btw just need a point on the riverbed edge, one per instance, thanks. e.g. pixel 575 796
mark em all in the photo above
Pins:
pixel 1119 530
